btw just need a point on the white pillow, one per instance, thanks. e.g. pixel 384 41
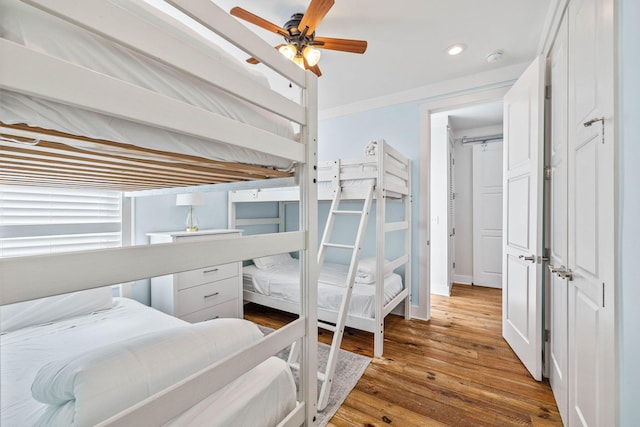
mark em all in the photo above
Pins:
pixel 50 309
pixel 366 273
pixel 271 261
pixel 88 388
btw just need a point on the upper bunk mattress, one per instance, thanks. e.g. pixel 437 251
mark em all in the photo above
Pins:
pixel 39 31
pixel 268 389
pixel 283 282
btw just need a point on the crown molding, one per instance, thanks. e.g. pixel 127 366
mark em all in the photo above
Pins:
pixel 504 76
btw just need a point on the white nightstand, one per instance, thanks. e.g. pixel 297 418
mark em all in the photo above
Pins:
pixel 202 294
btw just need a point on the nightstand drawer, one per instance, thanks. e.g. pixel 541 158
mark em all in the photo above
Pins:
pixel 207 295
pixel 192 278
pixel 226 309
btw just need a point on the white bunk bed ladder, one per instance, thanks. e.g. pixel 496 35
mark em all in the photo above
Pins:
pixel 326 377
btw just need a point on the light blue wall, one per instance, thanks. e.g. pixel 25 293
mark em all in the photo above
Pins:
pixel 629 212
pixel 399 125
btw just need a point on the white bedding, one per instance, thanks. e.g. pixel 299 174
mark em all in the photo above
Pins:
pixel 284 282
pixel 268 389
pixel 39 31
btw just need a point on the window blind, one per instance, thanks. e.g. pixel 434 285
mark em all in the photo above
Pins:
pixel 36 220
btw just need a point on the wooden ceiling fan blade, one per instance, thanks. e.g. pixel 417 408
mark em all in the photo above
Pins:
pixel 315 12
pixel 345 45
pixel 241 13
pixel 316 70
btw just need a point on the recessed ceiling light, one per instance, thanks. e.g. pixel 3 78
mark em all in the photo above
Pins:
pixel 456 49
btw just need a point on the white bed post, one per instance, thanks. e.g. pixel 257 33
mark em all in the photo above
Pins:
pixel 309 268
pixel 231 211
pixel 378 339
pixel 407 245
pixel 281 217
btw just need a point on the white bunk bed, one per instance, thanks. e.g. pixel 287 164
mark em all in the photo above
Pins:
pixel 389 171
pixel 71 121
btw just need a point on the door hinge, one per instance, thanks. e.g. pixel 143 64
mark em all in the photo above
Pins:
pixel 454 265
pixel 547 173
pixel 547 92
pixel 544 257
pixel 547 335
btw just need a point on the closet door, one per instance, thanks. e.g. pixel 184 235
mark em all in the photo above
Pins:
pixel 522 217
pixel 591 190
pixel 558 250
pixel 487 214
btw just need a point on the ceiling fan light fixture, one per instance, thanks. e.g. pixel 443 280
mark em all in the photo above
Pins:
pixel 299 60
pixel 456 49
pixel 288 50
pixel 311 55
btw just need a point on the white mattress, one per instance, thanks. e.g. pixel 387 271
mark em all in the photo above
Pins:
pixel 284 282
pixel 268 389
pixel 39 31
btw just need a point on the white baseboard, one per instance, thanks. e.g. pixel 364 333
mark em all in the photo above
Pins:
pixel 440 290
pixel 463 279
pixel 419 313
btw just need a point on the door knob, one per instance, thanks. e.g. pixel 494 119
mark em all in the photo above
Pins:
pixel 562 272
pixel 566 274
pixel 531 258
pixel 553 269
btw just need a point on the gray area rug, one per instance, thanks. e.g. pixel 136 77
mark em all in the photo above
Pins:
pixel 349 369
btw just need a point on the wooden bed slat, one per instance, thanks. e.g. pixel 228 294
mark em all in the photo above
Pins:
pixel 129 168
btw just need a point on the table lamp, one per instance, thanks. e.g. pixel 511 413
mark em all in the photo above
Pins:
pixel 191 200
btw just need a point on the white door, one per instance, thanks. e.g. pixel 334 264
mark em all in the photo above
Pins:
pixel 591 190
pixel 558 250
pixel 522 217
pixel 487 214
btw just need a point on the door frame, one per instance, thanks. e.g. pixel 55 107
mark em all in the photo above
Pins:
pixel 423 309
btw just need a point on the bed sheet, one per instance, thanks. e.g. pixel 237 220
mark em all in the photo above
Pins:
pixel 39 31
pixel 24 351
pixel 284 282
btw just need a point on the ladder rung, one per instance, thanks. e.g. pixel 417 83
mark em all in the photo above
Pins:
pixel 327 326
pixel 296 366
pixel 336 245
pixel 347 212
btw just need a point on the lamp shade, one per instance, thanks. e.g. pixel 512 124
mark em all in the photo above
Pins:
pixel 190 199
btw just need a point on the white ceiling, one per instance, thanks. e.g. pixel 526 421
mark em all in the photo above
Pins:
pixel 407 41
pixel 476 116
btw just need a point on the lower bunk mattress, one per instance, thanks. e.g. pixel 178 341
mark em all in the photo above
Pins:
pixel 83 369
pixel 283 282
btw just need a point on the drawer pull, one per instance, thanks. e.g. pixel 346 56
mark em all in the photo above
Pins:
pixel 212 295
pixel 213 270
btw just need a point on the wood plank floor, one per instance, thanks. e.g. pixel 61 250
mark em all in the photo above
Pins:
pixel 454 370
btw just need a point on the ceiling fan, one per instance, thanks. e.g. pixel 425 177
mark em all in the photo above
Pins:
pixel 299 33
